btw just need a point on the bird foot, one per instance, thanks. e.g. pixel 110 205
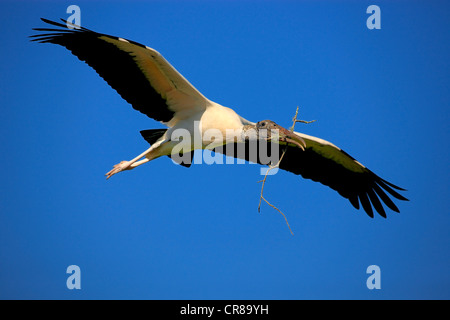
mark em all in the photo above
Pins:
pixel 123 165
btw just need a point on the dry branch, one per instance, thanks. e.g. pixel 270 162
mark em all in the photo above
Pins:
pixel 271 166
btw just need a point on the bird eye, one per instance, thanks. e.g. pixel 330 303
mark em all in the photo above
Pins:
pixel 263 124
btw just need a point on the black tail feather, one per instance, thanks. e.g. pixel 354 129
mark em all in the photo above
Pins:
pixel 152 135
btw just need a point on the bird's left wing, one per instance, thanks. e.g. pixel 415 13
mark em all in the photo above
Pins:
pixel 138 73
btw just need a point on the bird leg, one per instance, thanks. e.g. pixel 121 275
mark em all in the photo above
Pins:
pixel 123 165
pixel 128 165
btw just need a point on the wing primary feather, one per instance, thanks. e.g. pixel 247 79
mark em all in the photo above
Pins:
pixel 376 203
pixel 390 190
pixel 54 23
pixel 385 198
pixel 75 25
pixel 50 29
pixel 354 201
pixel 366 204
pixel 393 185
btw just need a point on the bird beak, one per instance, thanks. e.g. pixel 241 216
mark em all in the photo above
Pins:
pixel 290 137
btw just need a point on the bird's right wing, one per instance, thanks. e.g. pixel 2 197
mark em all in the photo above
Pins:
pixel 138 73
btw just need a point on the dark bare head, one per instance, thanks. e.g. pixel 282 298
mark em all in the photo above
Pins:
pixel 284 136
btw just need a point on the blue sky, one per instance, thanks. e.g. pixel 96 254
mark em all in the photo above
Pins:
pixel 166 232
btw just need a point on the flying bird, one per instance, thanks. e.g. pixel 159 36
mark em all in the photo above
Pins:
pixel 154 87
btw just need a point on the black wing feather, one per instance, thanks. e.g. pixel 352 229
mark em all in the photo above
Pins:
pixel 358 187
pixel 365 186
pixel 114 65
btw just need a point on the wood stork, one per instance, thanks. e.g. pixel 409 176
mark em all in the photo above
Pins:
pixel 152 86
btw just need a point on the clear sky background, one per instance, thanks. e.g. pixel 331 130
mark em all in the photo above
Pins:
pixel 163 231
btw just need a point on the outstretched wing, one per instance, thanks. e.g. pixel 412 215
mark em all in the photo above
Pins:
pixel 323 162
pixel 138 73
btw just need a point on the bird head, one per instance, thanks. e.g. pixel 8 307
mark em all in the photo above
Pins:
pixel 267 128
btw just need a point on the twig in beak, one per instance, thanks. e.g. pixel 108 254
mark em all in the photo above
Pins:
pixel 290 137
